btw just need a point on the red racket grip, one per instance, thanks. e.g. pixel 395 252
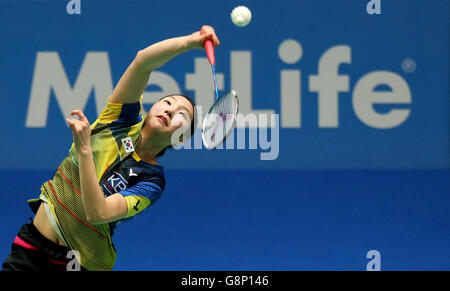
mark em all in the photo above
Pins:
pixel 210 52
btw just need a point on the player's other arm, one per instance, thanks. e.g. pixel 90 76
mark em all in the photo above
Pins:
pixel 135 79
pixel 98 209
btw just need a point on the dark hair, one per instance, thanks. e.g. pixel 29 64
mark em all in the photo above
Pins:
pixel 193 122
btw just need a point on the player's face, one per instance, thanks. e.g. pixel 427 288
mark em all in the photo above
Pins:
pixel 166 115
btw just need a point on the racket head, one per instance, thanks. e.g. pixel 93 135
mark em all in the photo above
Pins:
pixel 220 120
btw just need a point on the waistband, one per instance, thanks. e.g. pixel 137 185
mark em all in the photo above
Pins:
pixel 29 237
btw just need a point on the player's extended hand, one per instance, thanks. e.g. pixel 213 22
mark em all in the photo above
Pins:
pixel 81 130
pixel 199 37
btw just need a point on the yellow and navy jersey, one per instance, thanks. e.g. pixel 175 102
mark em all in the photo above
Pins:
pixel 119 170
pixel 140 183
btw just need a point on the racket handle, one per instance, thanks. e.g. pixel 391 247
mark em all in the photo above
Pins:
pixel 210 52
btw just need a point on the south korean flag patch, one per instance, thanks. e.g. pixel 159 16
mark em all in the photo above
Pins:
pixel 128 144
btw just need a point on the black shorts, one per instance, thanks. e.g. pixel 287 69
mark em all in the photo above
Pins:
pixel 31 251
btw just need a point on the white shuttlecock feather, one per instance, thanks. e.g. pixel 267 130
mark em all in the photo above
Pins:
pixel 241 16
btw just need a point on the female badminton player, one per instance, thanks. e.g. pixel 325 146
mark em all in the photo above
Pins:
pixel 111 172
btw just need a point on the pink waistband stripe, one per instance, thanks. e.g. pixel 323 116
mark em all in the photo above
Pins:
pixel 24 244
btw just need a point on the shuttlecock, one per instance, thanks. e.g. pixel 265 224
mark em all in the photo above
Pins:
pixel 241 16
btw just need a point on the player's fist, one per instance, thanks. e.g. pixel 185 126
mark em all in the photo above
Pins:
pixel 81 130
pixel 198 38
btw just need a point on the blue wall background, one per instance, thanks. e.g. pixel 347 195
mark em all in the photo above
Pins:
pixel 332 194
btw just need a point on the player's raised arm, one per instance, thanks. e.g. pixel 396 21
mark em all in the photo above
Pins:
pixel 134 81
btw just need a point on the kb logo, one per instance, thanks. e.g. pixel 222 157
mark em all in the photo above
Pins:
pixel 374 7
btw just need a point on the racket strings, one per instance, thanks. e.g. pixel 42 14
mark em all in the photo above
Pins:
pixel 221 112
pixel 220 118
